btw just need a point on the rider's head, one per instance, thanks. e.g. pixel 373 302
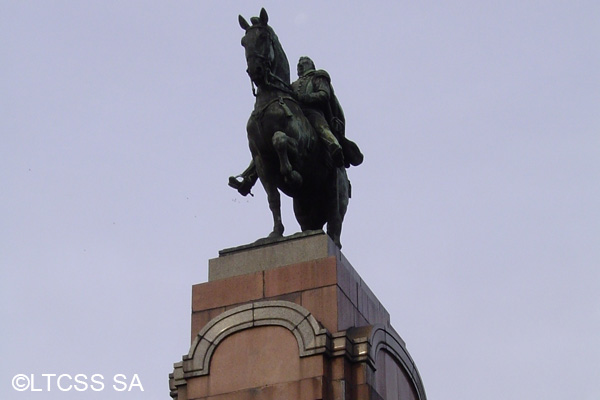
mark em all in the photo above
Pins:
pixel 305 65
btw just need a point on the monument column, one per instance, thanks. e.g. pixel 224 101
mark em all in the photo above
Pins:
pixel 291 319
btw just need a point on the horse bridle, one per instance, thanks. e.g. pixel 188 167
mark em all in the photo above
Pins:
pixel 268 61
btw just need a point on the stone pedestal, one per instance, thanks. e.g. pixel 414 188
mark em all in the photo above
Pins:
pixel 291 319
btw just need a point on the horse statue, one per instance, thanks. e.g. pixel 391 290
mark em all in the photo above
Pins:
pixel 286 151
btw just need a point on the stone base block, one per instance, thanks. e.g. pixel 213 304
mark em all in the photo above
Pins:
pixel 291 319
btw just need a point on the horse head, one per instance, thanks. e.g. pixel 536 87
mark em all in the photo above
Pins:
pixel 265 58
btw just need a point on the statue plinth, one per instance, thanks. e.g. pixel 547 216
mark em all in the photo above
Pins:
pixel 292 319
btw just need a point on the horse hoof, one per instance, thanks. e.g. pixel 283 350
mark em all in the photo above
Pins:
pixel 277 232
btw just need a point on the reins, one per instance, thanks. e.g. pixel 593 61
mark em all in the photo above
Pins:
pixel 258 113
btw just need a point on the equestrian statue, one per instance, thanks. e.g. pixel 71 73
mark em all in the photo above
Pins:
pixel 296 135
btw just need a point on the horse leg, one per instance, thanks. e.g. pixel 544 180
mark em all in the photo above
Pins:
pixel 282 144
pixel 274 199
pixel 268 181
pixel 338 204
pixel 334 220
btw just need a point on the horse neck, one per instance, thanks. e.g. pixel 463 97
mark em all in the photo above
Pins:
pixel 267 93
pixel 279 78
pixel 279 84
pixel 282 72
pixel 281 66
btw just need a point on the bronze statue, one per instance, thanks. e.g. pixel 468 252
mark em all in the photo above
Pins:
pixel 296 136
pixel 315 94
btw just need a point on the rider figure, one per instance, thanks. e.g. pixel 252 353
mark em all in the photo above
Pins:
pixel 314 92
pixel 320 106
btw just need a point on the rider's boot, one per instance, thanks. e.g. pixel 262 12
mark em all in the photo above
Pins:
pixel 249 178
pixel 243 187
pixel 333 146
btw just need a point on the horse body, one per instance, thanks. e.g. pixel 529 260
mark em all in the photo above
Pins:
pixel 286 151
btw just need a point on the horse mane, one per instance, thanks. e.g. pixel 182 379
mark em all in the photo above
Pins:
pixel 282 66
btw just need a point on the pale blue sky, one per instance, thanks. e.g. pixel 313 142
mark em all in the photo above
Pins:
pixel 474 217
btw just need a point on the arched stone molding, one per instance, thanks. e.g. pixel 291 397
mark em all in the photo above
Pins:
pixel 311 337
pixel 367 342
pixel 359 345
pixel 384 338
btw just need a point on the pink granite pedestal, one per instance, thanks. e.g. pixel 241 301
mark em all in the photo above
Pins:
pixel 291 319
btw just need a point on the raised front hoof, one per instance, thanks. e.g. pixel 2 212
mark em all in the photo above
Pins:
pixel 293 179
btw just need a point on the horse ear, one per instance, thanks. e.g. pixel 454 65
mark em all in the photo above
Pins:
pixel 264 18
pixel 243 23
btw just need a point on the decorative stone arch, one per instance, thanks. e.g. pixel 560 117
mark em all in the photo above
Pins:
pixel 383 338
pixel 359 344
pixel 312 338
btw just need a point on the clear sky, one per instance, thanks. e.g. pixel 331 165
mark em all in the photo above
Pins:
pixel 474 217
